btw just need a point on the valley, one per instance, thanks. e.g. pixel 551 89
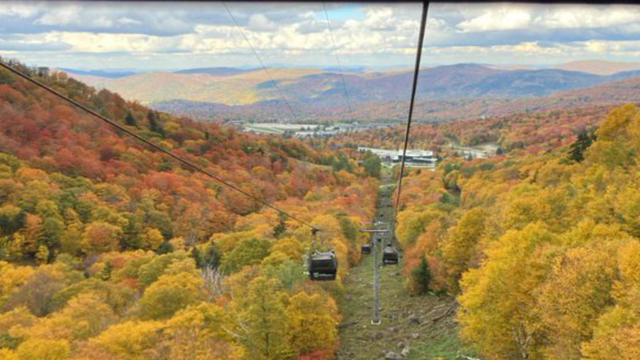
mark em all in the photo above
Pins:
pixel 451 92
pixel 305 130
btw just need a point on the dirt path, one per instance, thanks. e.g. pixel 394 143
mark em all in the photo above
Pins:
pixel 424 325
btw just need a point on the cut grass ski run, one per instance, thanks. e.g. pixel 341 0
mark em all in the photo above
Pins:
pixel 426 323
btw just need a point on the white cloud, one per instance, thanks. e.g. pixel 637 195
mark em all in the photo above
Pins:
pixel 364 34
pixel 506 17
pixel 128 21
pixel 22 10
pixel 514 16
pixel 261 23
pixel 63 15
pixel 576 16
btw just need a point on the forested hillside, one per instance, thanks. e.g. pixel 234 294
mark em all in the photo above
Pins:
pixel 110 251
pixel 527 133
pixel 540 245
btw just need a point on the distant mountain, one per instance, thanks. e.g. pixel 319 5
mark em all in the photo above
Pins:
pixel 599 67
pixel 100 73
pixel 607 94
pixel 510 67
pixel 217 71
pixel 522 83
pixel 353 69
pixel 318 92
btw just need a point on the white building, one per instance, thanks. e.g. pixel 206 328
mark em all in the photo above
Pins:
pixel 418 156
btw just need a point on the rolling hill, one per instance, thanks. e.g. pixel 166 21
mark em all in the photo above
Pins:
pixel 317 94
pixel 610 93
pixel 599 67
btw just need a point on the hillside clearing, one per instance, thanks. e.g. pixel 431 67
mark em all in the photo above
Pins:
pixel 424 324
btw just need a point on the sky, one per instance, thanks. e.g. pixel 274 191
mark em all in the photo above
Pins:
pixel 170 36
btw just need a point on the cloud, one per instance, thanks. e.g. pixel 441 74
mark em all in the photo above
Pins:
pixel 381 34
pixel 506 17
pixel 63 15
pixel 536 17
pixel 22 10
pixel 575 16
pixel 33 46
pixel 260 22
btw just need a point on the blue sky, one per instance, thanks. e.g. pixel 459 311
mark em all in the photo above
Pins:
pixel 170 36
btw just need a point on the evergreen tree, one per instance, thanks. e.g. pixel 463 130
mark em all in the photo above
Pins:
pixel 154 124
pixel 197 257
pixel 211 257
pixel 105 274
pixel 421 276
pixel 280 228
pixel 130 120
pixel 165 248
pixel 585 139
pixel 372 165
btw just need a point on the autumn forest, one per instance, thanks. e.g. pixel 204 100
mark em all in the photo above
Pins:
pixel 110 250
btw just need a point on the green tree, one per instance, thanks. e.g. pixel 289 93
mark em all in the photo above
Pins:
pixel 582 143
pixel 248 252
pixel 421 277
pixel 130 120
pixel 12 219
pixel 372 165
pixel 154 123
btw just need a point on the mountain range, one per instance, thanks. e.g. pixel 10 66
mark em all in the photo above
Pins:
pixel 295 94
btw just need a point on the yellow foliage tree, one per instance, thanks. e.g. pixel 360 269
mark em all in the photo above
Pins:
pixel 7 354
pixel 312 322
pixel 130 340
pixel 84 316
pixel 459 252
pixel 577 292
pixel 42 349
pixel 496 306
pixel 262 320
pixel 199 332
pixel 152 238
pixel 616 334
pixel 171 293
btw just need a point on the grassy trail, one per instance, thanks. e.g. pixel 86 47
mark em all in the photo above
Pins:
pixel 423 324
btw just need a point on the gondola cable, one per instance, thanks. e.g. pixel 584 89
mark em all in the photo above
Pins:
pixel 153 145
pixel 333 41
pixel 264 68
pixel 416 71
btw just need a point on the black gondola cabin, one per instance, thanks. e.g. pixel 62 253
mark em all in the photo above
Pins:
pixel 323 266
pixel 366 248
pixel 389 255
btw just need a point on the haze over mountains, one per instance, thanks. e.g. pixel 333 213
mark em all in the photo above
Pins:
pixel 317 94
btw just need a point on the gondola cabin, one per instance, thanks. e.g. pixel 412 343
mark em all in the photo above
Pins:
pixel 366 248
pixel 323 266
pixel 389 255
